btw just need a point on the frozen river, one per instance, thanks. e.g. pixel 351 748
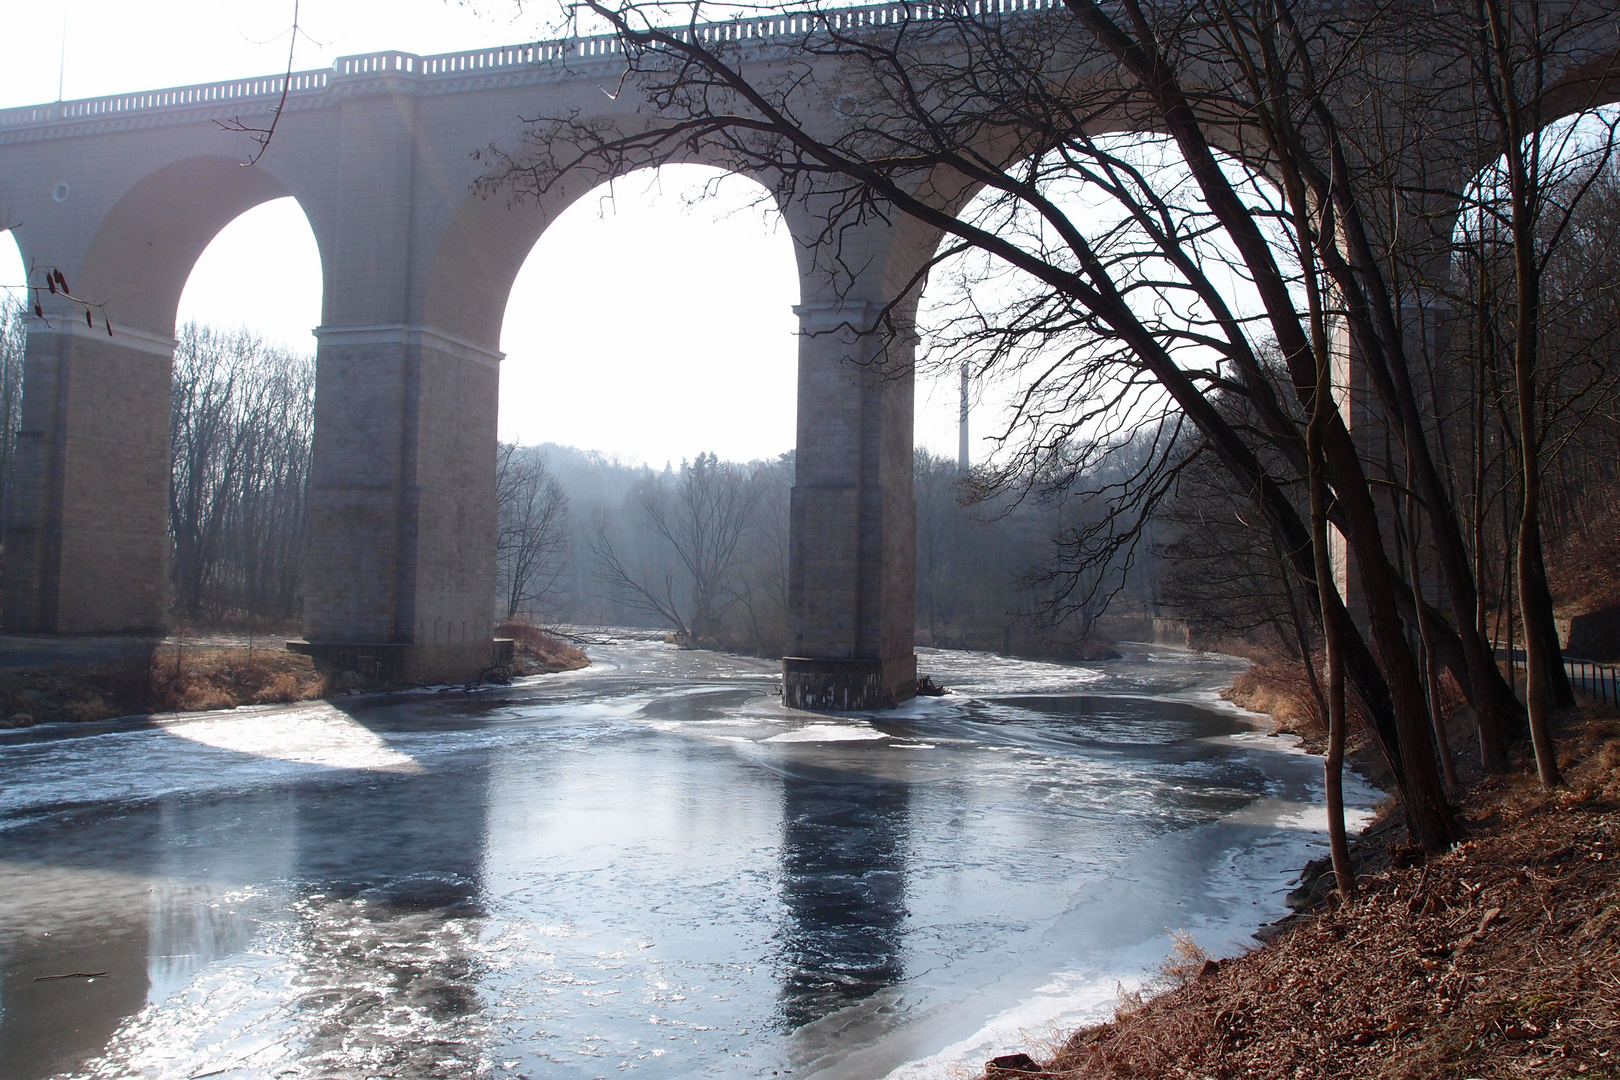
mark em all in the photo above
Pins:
pixel 647 867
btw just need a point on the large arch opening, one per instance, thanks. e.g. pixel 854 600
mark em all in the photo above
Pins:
pixel 665 301
pixel 262 271
pixel 1065 428
pixel 13 274
pixel 241 421
pixel 86 550
pixel 672 290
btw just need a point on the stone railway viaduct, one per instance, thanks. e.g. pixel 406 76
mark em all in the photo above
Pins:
pixel 123 194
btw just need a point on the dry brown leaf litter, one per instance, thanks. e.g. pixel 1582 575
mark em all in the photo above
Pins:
pixel 1500 958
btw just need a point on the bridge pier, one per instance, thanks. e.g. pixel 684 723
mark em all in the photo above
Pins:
pixel 1377 439
pixel 852 578
pixel 87 538
pixel 399 566
pixel 399 554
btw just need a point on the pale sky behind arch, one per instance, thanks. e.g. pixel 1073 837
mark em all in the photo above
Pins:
pixel 703 357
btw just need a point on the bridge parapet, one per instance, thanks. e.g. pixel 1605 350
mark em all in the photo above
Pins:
pixel 175 97
pixel 533 56
pixel 378 63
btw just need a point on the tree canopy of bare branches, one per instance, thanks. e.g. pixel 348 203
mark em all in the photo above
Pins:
pixel 1291 201
pixel 700 515
pixel 533 533
pixel 241 423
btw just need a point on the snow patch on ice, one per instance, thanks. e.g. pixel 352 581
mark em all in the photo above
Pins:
pixel 827 733
pixel 313 735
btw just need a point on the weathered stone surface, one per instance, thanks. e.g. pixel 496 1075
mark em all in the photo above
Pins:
pixel 87 545
pixel 1595 635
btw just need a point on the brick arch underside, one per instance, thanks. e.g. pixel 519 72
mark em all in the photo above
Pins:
pixel 491 235
pixel 145 248
pixel 1593 84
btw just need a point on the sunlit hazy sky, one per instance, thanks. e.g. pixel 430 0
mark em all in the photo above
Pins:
pixel 706 363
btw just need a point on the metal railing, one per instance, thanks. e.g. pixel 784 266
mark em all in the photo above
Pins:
pixel 1600 681
pixel 761 28
pixel 1596 680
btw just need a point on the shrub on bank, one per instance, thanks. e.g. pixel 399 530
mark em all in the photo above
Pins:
pixel 196 678
pixel 536 652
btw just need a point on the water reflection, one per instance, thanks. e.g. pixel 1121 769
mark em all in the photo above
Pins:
pixel 390 894
pixel 53 1023
pixel 361 894
pixel 665 872
pixel 843 890
pixel 148 897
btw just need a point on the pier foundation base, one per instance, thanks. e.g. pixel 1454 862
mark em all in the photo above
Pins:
pixel 847 685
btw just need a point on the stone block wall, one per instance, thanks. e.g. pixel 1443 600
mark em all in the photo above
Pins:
pixel 401 545
pixel 88 538
pixel 851 586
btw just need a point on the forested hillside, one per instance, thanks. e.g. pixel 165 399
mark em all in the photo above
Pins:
pixel 700 549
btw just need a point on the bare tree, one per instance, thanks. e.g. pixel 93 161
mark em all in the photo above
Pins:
pixel 637 587
pixel 1288 210
pixel 13 345
pixel 701 515
pixel 533 538
pixel 240 431
pixel 1528 201
pixel 762 572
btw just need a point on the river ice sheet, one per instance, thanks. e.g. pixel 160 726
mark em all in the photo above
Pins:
pixel 648 866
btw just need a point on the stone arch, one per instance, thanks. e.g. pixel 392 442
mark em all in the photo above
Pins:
pixel 1589 85
pixel 14 211
pixel 87 532
pixel 484 245
pixel 145 247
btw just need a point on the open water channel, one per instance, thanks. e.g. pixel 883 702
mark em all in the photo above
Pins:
pixel 647 867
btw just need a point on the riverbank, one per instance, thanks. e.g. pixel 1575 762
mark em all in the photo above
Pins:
pixel 1500 958
pixel 216 671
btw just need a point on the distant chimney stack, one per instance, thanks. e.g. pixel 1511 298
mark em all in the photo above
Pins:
pixel 962 462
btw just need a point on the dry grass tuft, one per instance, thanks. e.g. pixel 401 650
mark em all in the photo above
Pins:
pixel 176 679
pixel 535 652
pixel 1280 689
pixel 193 680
